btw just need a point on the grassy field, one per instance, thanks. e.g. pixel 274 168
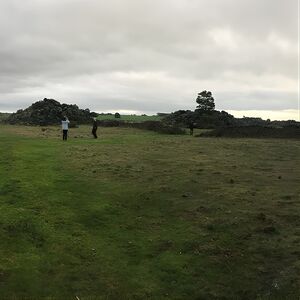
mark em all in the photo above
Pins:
pixel 138 215
pixel 130 118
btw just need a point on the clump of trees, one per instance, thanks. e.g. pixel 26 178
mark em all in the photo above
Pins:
pixel 50 112
pixel 204 116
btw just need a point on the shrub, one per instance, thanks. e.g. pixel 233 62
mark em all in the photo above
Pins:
pixel 159 127
pixel 73 124
pixel 111 123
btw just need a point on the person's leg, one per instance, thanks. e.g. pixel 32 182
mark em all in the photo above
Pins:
pixel 65 135
pixel 94 133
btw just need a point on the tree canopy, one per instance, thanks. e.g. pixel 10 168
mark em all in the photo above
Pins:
pixel 206 101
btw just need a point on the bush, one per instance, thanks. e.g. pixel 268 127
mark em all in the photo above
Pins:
pixel 159 127
pixel 111 123
pixel 73 124
pixel 4 117
pixel 171 130
pixel 201 119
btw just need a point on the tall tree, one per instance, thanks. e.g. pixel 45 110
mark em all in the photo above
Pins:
pixel 206 101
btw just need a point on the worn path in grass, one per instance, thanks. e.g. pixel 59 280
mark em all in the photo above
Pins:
pixel 139 215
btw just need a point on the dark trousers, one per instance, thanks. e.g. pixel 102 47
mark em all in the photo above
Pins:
pixel 65 135
pixel 94 132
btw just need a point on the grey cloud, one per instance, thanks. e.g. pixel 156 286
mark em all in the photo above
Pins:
pixel 75 51
pixel 260 100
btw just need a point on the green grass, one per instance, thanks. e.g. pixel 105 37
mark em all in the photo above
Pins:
pixel 130 118
pixel 137 215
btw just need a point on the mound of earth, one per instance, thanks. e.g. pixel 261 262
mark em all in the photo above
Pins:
pixel 50 112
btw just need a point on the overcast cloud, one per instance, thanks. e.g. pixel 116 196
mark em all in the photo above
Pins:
pixel 150 55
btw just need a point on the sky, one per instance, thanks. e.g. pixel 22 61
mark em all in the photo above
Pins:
pixel 149 56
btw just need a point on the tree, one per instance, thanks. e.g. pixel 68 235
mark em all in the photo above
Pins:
pixel 206 101
pixel 117 115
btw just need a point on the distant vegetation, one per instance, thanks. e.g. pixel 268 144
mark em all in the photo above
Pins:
pixel 4 117
pixel 205 116
pixel 129 118
pixel 157 126
pixel 153 123
pixel 50 112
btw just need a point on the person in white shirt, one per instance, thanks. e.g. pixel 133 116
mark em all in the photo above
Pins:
pixel 65 128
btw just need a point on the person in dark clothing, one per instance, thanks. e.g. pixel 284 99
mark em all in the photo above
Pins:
pixel 95 127
pixel 191 126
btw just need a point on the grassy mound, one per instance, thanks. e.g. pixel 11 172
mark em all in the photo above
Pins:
pixel 50 112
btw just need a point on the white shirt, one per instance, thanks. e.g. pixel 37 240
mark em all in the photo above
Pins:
pixel 65 125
